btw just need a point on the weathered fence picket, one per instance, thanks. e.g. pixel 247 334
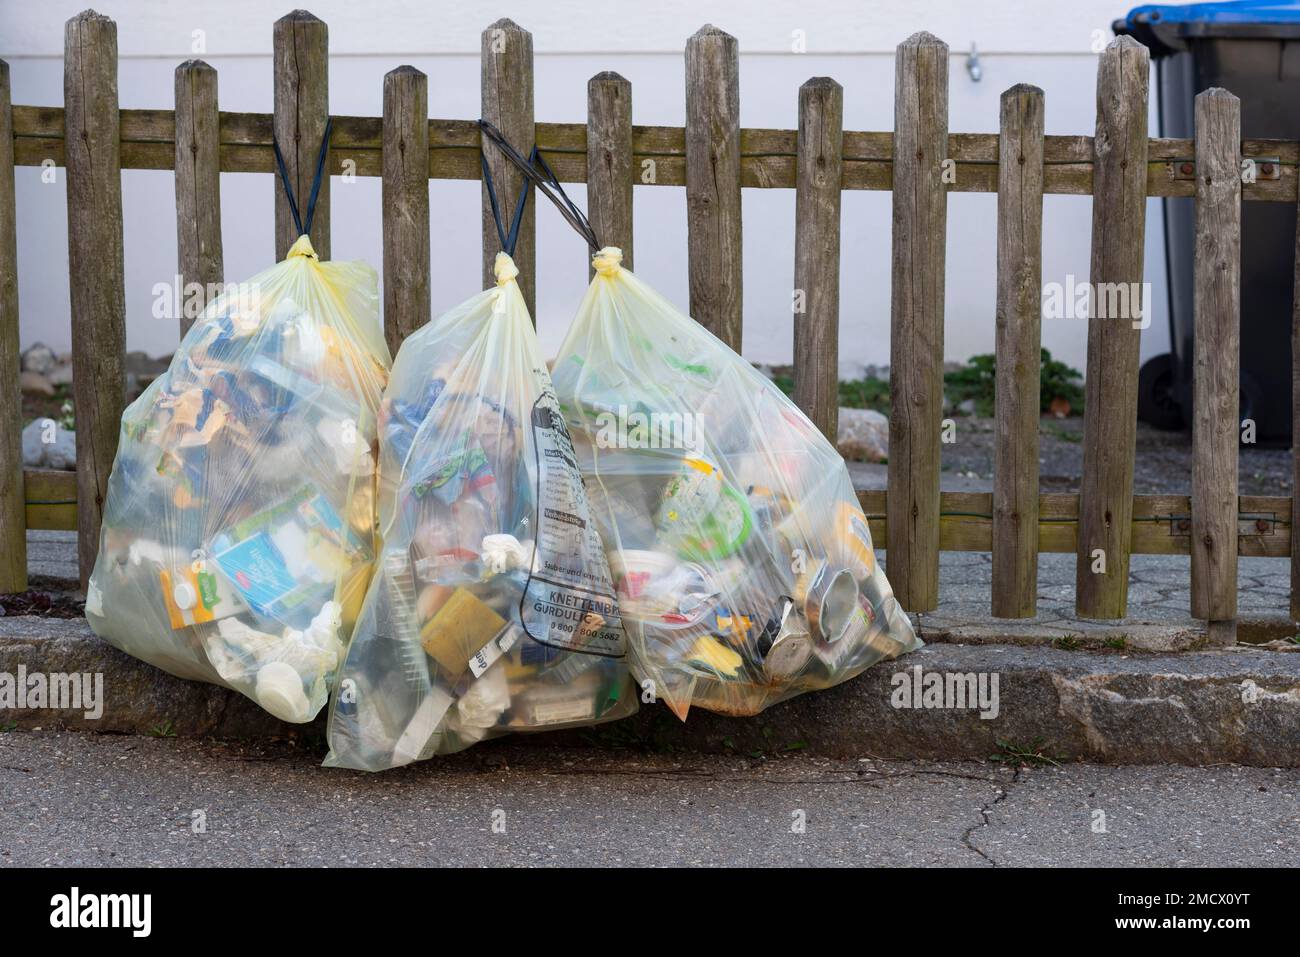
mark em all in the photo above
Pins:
pixel 300 57
pixel 817 252
pixel 13 517
pixel 95 264
pixel 610 172
pixel 1110 383
pixel 1217 349
pixel 407 305
pixel 1295 417
pixel 198 187
pixel 713 234
pixel 507 78
pixel 920 227
pixel 1018 350
pixel 920 161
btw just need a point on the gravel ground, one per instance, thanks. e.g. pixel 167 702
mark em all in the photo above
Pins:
pixel 1163 464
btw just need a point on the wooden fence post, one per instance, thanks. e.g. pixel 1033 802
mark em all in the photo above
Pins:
pixel 406 204
pixel 13 510
pixel 93 158
pixel 301 62
pixel 1216 399
pixel 609 162
pixel 1019 353
pixel 1295 426
pixel 819 169
pixel 1119 203
pixel 920 221
pixel 713 232
pixel 506 65
pixel 198 184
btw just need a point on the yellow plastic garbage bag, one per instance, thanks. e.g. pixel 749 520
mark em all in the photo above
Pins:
pixel 743 563
pixel 492 608
pixel 238 530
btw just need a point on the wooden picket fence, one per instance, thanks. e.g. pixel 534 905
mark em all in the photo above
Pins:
pixel 920 161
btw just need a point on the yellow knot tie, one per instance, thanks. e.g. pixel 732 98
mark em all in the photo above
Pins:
pixel 302 247
pixel 608 261
pixel 505 269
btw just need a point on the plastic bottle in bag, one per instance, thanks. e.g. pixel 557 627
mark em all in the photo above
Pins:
pixel 492 609
pixel 238 529
pixel 743 563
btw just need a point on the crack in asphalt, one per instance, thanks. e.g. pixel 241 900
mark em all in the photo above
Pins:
pixel 1003 794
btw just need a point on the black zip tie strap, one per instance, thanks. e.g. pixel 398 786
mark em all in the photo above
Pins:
pixel 546 182
pixel 315 186
pixel 508 241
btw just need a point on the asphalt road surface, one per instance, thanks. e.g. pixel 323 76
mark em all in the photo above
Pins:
pixel 84 799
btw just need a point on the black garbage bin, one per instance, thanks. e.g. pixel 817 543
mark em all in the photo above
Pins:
pixel 1252 49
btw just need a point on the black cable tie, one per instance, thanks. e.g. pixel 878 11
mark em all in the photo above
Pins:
pixel 547 184
pixel 316 183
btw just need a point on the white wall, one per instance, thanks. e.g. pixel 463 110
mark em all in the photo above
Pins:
pixel 1046 43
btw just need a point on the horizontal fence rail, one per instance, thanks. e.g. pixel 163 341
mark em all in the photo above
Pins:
pixel 1162 524
pixel 767 156
pixel 920 161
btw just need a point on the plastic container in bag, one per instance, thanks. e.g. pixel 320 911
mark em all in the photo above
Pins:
pixel 493 608
pixel 743 563
pixel 238 530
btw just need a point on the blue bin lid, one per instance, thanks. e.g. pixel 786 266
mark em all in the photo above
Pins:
pixel 1166 28
pixel 1226 11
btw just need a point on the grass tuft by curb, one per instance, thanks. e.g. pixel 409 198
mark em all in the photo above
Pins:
pixel 1025 755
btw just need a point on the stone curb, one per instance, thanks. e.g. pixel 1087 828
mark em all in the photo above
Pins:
pixel 1240 706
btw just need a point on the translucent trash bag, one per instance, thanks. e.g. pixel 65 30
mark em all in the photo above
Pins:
pixel 238 530
pixel 492 607
pixel 743 563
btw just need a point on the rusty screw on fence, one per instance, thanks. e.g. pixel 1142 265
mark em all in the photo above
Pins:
pixel 1186 169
